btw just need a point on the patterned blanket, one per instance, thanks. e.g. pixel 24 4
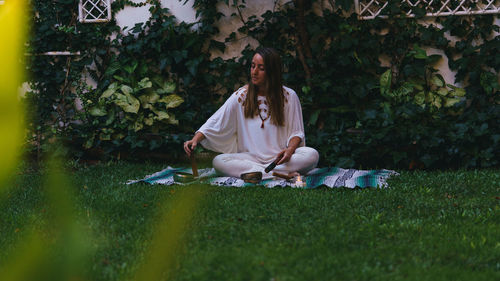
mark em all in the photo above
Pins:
pixel 331 177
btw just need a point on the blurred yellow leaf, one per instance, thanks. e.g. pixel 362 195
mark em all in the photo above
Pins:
pixel 26 262
pixel 13 30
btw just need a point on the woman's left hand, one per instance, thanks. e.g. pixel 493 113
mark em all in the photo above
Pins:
pixel 285 155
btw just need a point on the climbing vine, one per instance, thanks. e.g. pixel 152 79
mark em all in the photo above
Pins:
pixel 371 94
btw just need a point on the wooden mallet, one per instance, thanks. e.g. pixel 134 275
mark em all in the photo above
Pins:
pixel 194 167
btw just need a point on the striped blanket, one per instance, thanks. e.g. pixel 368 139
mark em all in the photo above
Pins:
pixel 331 177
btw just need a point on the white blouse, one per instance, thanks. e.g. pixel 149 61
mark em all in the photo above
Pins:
pixel 228 131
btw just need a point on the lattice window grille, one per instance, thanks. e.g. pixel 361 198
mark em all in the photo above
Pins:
pixel 370 9
pixel 95 10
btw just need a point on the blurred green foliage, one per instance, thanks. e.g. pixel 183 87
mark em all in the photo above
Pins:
pixel 56 244
pixel 355 115
pixel 61 244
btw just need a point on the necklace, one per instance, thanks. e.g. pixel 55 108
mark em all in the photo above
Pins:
pixel 263 119
pixel 263 109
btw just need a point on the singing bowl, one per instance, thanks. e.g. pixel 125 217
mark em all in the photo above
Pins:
pixel 252 177
pixel 183 177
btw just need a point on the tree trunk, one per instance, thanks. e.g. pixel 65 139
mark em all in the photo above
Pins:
pixel 303 47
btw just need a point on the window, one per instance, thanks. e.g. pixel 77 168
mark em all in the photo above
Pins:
pixel 369 9
pixel 94 10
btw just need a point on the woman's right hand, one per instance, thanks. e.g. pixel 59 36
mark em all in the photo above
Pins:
pixel 189 146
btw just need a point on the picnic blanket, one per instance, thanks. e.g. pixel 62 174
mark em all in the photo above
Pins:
pixel 331 177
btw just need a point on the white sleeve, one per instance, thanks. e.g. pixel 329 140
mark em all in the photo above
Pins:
pixel 294 120
pixel 220 129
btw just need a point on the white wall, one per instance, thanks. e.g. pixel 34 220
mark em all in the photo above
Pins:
pixel 129 16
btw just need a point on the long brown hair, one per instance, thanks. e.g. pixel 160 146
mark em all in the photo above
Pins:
pixel 273 88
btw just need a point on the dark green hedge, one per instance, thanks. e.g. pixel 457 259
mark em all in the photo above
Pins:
pixel 357 113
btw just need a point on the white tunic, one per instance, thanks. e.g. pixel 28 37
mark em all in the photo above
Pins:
pixel 228 131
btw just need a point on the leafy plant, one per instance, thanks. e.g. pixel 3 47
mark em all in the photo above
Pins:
pixel 428 89
pixel 130 104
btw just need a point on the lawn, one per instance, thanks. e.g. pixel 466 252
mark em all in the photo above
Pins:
pixel 439 225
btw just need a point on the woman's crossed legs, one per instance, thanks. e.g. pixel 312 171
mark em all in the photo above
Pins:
pixel 234 164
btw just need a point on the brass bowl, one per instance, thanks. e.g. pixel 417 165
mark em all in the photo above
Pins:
pixel 252 177
pixel 183 177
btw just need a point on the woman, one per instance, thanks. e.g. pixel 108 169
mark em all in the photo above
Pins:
pixel 259 124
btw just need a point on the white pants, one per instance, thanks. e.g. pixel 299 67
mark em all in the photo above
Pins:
pixel 234 164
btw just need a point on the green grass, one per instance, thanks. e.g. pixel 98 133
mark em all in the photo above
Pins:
pixel 426 226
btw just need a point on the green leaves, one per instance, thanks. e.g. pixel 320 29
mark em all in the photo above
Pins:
pixel 127 90
pixel 143 105
pixel 418 52
pixel 457 92
pixel 110 91
pixel 489 82
pixel 149 99
pixel 171 101
pixel 314 117
pixel 192 65
pixel 385 83
pixel 166 87
pixel 437 80
pixel 420 98
pixel 448 102
pixel 161 115
pixel 145 83
pixel 422 85
pixel 131 68
pixel 126 101
pixel 97 111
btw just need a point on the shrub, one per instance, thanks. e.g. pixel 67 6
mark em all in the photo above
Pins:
pixel 358 113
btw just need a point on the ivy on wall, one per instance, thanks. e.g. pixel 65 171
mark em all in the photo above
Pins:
pixel 357 112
